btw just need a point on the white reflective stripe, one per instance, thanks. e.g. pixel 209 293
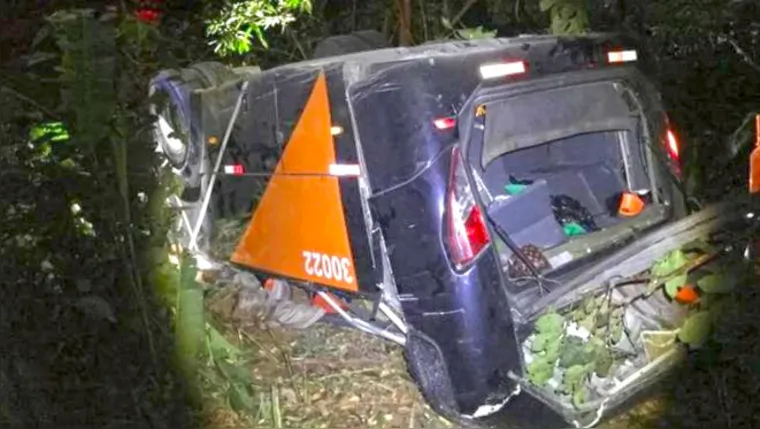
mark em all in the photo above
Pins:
pixel 229 169
pixel 487 410
pixel 622 56
pixel 345 170
pixel 490 71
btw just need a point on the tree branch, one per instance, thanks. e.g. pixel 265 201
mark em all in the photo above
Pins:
pixel 460 14
pixel 26 99
pixel 742 53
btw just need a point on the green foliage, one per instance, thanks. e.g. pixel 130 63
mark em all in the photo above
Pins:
pixel 229 371
pixel 79 170
pixel 720 282
pixel 546 347
pixel 550 323
pixel 573 352
pixel 567 16
pixel 542 341
pixel 87 73
pixel 49 132
pixel 189 319
pixel 696 329
pixel 233 25
pixel 552 351
pixel 475 33
pixel 664 268
pixel 603 362
pixel 673 284
pixel 574 382
pixel 669 263
pixel 540 370
pixel 574 357
pixel 616 325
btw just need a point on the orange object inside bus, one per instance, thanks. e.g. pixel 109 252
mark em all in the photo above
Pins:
pixel 631 204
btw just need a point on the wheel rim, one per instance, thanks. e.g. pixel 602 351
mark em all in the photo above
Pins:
pixel 172 145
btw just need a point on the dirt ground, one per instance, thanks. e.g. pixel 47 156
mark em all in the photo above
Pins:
pixel 330 377
pixel 334 377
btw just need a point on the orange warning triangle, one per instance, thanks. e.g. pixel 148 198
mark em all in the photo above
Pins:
pixel 298 229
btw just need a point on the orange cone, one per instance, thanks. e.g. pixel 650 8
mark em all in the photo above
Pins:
pixel 631 204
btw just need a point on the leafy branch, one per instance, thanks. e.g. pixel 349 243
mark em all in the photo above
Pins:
pixel 567 16
pixel 234 26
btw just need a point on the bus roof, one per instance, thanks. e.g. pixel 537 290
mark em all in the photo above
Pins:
pixel 355 63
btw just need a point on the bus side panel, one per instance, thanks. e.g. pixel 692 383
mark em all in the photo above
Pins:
pixel 286 210
pixel 346 154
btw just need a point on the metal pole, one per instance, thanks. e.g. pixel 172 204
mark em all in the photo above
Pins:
pixel 207 196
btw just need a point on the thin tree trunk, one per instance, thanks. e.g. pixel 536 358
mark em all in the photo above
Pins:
pixel 405 22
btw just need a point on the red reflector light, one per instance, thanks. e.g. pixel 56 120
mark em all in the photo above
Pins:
pixel 467 234
pixel 445 123
pixel 235 170
pixel 475 227
pixel 673 149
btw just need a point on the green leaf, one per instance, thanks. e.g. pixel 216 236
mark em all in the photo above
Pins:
pixel 696 329
pixel 669 263
pixel 717 283
pixel 550 322
pixel 616 328
pixel 672 285
pixel 603 362
pixel 241 398
pixel 541 341
pixel 220 347
pixel 574 352
pixel 475 33
pixel 706 301
pixel 190 318
pixel 587 323
pixel 552 351
pixel 580 396
pixel 578 314
pixel 575 376
pixel 540 371
pixel 545 5
pixel 236 372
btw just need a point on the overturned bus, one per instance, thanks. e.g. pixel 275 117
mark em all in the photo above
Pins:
pixel 462 189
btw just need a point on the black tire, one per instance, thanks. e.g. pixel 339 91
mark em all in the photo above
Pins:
pixel 176 132
pixel 429 371
pixel 358 41
pixel 176 113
